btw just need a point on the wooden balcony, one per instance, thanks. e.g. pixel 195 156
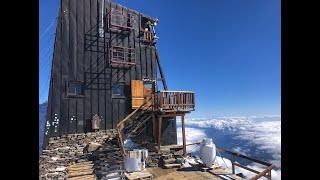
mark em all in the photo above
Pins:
pixel 175 101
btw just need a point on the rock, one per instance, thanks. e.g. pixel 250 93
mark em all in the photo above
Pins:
pixel 92 146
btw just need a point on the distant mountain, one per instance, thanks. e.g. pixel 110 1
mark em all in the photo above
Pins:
pixel 42 122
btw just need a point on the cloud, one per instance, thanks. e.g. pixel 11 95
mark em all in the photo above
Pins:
pixel 254 136
pixel 193 135
pixel 266 136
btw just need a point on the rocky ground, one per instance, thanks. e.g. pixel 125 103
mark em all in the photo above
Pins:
pixel 68 150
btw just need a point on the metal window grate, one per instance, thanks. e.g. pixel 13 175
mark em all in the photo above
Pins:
pixel 120 20
pixel 122 56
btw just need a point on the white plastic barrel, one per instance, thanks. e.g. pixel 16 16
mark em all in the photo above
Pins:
pixel 208 152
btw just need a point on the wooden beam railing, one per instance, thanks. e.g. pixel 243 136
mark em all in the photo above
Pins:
pixel 266 173
pixel 176 100
pixel 121 125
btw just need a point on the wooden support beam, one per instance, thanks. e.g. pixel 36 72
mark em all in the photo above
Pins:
pixel 159 130
pixel 121 142
pixel 164 83
pixel 171 115
pixel 183 137
pixel 153 126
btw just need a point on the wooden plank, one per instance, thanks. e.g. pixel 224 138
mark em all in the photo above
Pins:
pixel 84 177
pixel 137 88
pixel 153 63
pixel 80 34
pixel 137 102
pixel 87 58
pixel 115 112
pixel 72 69
pixel 63 122
pixel 139 175
pixel 148 62
pixel 121 109
pixel 94 57
pixel 131 43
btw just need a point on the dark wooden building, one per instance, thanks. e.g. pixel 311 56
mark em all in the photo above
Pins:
pixel 105 62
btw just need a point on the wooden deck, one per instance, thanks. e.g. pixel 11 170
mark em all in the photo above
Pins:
pixel 191 174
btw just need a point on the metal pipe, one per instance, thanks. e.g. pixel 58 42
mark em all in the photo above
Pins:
pixel 102 13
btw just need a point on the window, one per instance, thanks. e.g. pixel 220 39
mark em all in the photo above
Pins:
pixel 148 85
pixel 117 54
pixel 118 89
pixel 122 55
pixel 75 88
pixel 144 24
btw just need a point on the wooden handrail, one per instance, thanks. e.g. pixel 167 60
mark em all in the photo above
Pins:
pixel 176 91
pixel 245 157
pixel 176 100
pixel 120 126
pixel 259 174
pixel 131 114
pixel 264 172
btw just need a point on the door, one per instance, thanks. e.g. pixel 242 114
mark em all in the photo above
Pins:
pixel 141 92
pixel 137 93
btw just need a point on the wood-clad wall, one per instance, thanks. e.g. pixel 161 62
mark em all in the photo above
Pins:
pixel 81 55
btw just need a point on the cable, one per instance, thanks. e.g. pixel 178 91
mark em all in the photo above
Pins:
pixel 222 158
pixel 48 28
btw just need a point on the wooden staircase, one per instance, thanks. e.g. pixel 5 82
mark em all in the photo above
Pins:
pixel 132 125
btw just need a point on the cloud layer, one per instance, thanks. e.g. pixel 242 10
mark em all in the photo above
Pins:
pixel 255 136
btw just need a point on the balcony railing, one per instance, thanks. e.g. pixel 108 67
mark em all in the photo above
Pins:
pixel 176 100
pixel 265 173
pixel 148 36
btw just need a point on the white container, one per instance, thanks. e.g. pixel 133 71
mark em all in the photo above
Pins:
pixel 134 161
pixel 208 152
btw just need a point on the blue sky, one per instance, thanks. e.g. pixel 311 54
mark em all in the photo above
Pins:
pixel 227 51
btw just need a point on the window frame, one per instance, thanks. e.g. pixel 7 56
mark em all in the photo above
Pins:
pixel 118 94
pixel 75 83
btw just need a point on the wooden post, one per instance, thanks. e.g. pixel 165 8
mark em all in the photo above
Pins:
pixel 121 142
pixel 159 130
pixel 153 127
pixel 183 137
pixel 232 162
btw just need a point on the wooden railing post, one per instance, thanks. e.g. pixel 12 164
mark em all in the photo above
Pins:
pixel 159 130
pixel 183 137
pixel 161 99
pixel 269 174
pixel 232 162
